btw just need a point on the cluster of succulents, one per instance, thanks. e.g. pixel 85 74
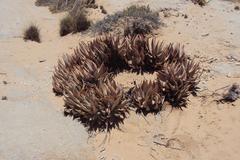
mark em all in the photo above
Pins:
pixel 100 108
pixel 85 78
pixel 146 98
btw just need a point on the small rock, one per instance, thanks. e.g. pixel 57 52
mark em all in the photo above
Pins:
pixel 175 144
pixel 5 82
pixel 233 93
pixel 103 10
pixel 234 57
pixel 185 16
pixel 41 61
pixel 205 35
pixel 4 97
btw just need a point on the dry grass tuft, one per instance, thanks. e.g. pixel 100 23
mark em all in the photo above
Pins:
pixel 32 33
pixel 81 23
pixel 74 24
pixel 73 6
pixel 66 25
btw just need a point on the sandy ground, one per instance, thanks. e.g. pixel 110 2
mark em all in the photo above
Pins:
pixel 32 125
pixel 31 122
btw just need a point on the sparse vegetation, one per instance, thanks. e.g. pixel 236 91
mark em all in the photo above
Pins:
pixel 92 5
pixel 66 25
pixel 77 23
pixel 94 98
pixel 139 18
pixel 137 27
pixel 74 6
pixel 32 33
pixel 81 23
pixel 200 2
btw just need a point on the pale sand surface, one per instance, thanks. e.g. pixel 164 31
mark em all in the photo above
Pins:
pixel 32 125
pixel 31 122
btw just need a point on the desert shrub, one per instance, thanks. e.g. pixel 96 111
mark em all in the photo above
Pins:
pixel 45 2
pixel 32 33
pixel 137 27
pixel 66 25
pixel 200 2
pixel 77 23
pixel 106 25
pixel 62 5
pixel 81 23
pixel 138 17
pixel 142 11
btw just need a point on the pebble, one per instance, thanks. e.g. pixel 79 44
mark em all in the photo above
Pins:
pixel 234 57
pixel 4 97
